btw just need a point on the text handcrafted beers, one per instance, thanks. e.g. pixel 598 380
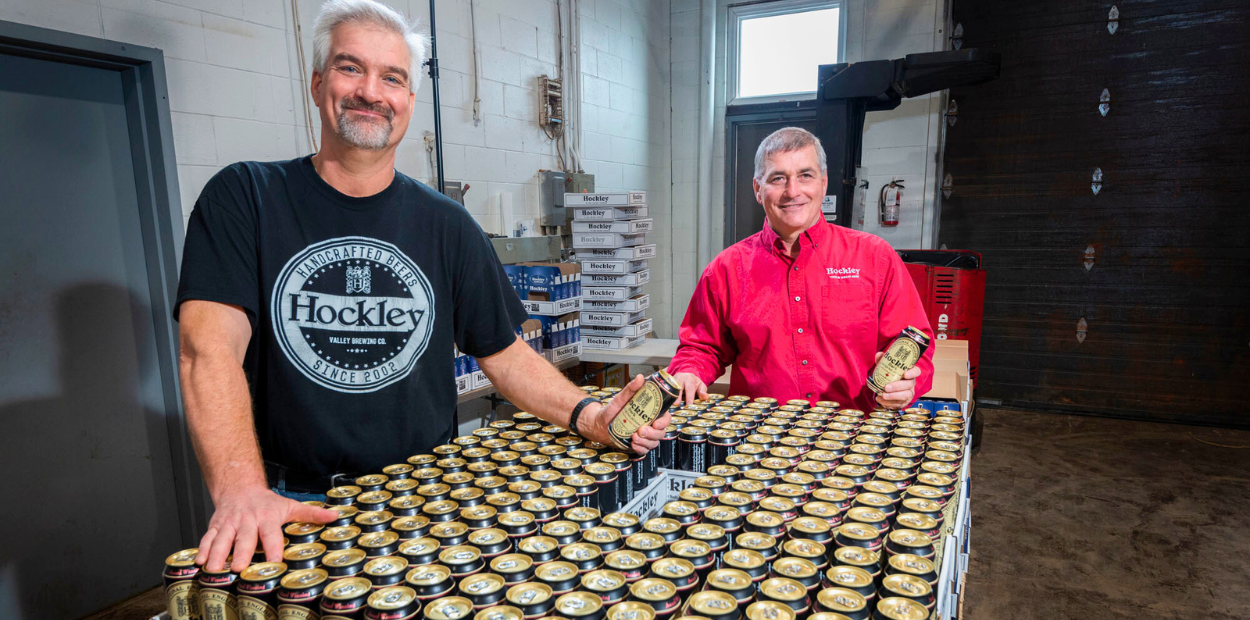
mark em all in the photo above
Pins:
pixel 899 357
pixel 658 392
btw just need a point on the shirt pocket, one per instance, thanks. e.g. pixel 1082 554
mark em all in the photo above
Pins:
pixel 848 313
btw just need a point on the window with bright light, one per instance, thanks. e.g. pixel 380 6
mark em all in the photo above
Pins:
pixel 779 45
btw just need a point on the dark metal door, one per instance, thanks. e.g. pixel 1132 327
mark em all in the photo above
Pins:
pixel 1114 227
pixel 747 126
pixel 90 502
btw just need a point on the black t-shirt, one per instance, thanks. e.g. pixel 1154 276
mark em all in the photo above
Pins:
pixel 355 304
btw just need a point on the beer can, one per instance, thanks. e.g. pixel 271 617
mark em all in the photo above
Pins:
pixel 769 610
pixel 609 585
pixel 755 488
pixel 805 549
pixel 378 544
pixel 640 472
pixel 624 522
pixel 346 515
pixel 683 512
pixel 630 610
pixel 739 501
pixel 853 534
pixel 373 500
pixel 421 460
pixel 562 577
pixel 393 603
pixel 345 599
pixel 585 518
pixel 506 458
pixel 216 593
pixel 869 561
pixel 721 445
pixel 748 561
pixel 299 594
pixel 651 545
pixel 565 532
pixel 584 556
pixel 647 405
pixel 898 608
pixel 666 452
pixel 586 489
pixel 419 551
pixel 258 590
pixel 385 571
pixel 921 523
pixel 913 565
pixel 342 495
pixel 544 509
pixel 453 608
pixel 692 449
pixel 483 590
pixel 849 603
pixel 406 506
pixel 480 518
pixel 504 502
pixel 624 485
pixel 372 482
pixel 697 553
pixel 469 497
pixel 632 564
pixel 761 543
pixel 607 539
pixel 799 570
pixel 667 528
pixel 827 512
pixel 540 549
pixel 678 572
pixel 713 605
pixel 909 542
pixel 605 480
pixel 941 482
pixel 491 543
pixel 430 475
pixel 900 356
pixel 536 462
pixel 700 497
pixel 491 485
pixel 343 563
pixel 533 599
pixel 736 583
pixel 660 594
pixel 303 556
pixel 579 606
pixel 787 592
pixel 518 524
pixel 563 495
pixel 766 522
pixel 463 560
pixel 450 534
pixel 434 492
pixel 852 578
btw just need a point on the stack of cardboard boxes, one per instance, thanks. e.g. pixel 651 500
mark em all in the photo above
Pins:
pixel 610 239
pixel 469 375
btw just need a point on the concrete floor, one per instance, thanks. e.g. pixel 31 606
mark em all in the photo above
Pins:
pixel 1088 518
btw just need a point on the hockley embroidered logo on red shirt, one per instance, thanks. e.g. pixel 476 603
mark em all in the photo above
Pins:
pixel 843 273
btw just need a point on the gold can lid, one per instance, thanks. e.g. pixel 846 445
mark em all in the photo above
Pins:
pixel 912 564
pixel 578 514
pixel 419 546
pixel 511 563
pixel 652 589
pixel 407 484
pixel 644 540
pixel 857 556
pixel 620 520
pixel 406 502
pixel 459 554
pixel 580 552
pixel 373 540
pixel 916 521
pixel 858 531
pixel 848 576
pixel 755 540
pixel 306 551
pixel 344 512
pixel 614 458
pixel 528 593
pixel 764 518
pixel 919 490
pixel 428 575
pixel 744 559
pixel 722 514
pixel 601 535
pixel 408 524
pixel 673 568
pixel 454 608
pixel 861 461
pixel 690 548
pixel 603 580
pixel 343 558
pixel 661 525
pixel 386 565
pixel 695 494
pixel 339 534
pixel 810 525
pixel 394 597
pixel 705 531
pixel 739 461
pixel 712 603
pixel 625 559
pixel 783 588
pixel 794 568
pixel 478 512
pixel 263 571
pixel 735 499
pixel 516 518
pixel 490 482
pixel 556 571
pixel 348 589
pixel 830 494
pixel 881 487
pixel 631 610
pixel 578 604
pixel 372 480
pixel 434 488
pixel 599 469
pixel 680 508
pixel 841 599
pixel 759 474
pixel 428 473
pixel 820 509
pixel 397 469
pixel 538 544
pixel 803 548
pixel 503 499
pixel 525 486
pixel 458 477
pixel 539 504
pixel 182 559
pixel 728 579
pixel 419 460
pixel 491 536
pixel 560 528
pixel 899 608
pixel 559 491
pixel 374 517
pixel 934 479
pixel 769 610
pixel 920 504
pixel 305 578
pixel 910 538
pixel 302 529
pixel 343 492
pixel 482 583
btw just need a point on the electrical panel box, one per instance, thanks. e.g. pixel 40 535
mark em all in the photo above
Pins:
pixel 455 191
pixel 551 206
pixel 580 183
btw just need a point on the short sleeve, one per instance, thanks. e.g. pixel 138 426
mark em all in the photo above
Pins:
pixel 219 256
pixel 488 310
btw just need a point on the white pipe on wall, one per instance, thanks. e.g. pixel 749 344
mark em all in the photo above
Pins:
pixel 707 62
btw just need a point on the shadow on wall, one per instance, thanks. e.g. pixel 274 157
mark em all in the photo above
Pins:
pixel 80 530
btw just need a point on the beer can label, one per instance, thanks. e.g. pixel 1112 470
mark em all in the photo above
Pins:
pixel 898 359
pixel 256 609
pixel 295 612
pixel 183 602
pixel 644 408
pixel 218 605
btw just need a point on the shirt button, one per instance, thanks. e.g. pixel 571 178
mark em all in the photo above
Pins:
pixel 800 330
pixel 796 298
pixel 796 268
pixel 804 362
pixel 809 395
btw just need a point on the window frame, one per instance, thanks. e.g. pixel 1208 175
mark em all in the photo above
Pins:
pixel 737 13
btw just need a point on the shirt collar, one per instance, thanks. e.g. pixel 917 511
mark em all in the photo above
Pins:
pixel 815 236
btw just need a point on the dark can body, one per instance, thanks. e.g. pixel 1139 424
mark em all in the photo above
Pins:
pixel 650 403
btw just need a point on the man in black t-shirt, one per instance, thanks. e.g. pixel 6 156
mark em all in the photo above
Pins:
pixel 321 297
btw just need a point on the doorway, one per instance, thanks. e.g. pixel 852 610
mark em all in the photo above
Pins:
pixel 746 127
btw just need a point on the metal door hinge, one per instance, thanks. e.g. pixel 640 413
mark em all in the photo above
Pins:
pixel 1113 20
pixel 952 113
pixel 948 186
pixel 1096 183
pixel 1090 257
pixel 1104 102
pixel 957 37
pixel 1082 328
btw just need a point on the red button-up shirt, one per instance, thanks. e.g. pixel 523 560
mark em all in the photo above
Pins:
pixel 807 327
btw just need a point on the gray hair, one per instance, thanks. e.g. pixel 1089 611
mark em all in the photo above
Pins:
pixel 785 140
pixel 335 13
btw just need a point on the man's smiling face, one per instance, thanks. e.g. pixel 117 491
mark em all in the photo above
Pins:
pixel 791 190
pixel 364 93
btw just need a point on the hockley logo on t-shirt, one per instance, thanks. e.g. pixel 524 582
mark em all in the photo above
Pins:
pixel 842 273
pixel 353 314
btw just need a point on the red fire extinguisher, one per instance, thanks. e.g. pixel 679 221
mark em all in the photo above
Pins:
pixel 889 203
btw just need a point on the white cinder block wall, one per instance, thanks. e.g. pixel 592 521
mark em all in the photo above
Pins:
pixel 901 143
pixel 235 91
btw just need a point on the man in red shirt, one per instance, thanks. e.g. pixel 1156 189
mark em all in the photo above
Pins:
pixel 802 309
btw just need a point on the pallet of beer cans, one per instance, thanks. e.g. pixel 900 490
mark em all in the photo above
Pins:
pixel 609 235
pixel 795 511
